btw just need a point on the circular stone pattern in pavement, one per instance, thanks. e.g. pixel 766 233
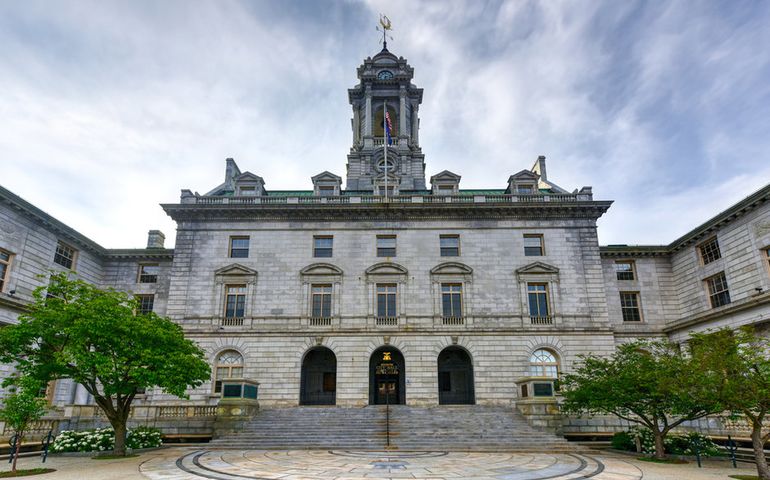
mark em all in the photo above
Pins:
pixel 349 465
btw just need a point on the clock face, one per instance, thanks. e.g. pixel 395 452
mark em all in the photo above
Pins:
pixel 385 75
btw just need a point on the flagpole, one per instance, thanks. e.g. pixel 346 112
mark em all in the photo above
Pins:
pixel 385 143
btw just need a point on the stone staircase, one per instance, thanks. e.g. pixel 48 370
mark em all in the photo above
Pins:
pixel 444 428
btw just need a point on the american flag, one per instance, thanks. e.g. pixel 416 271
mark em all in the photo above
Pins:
pixel 388 128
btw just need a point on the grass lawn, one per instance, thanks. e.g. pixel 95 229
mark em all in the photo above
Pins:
pixel 745 477
pixel 113 457
pixel 26 473
pixel 676 461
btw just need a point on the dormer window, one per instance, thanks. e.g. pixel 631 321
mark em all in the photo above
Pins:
pixel 525 189
pixel 247 191
pixel 446 189
pixel 326 191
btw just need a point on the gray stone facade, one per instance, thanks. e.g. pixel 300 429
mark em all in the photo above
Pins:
pixel 494 268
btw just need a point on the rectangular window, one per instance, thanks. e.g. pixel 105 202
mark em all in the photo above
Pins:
pixel 326 191
pixel 718 293
pixel 386 300
pixel 537 295
pixel 629 306
pixel 148 273
pixel 624 270
pixel 321 301
pixel 248 191
pixel 5 266
pixel 533 245
pixel 322 246
pixel 452 300
pixel 239 247
pixel 235 301
pixel 65 255
pixel 709 251
pixel 446 189
pixel 450 245
pixel 386 245
pixel 525 189
pixel 146 302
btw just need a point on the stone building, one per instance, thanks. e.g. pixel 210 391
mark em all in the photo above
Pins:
pixel 394 289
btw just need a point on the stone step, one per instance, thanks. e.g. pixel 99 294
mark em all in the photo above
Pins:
pixel 468 428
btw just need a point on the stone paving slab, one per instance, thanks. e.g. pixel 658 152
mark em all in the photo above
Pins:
pixel 203 464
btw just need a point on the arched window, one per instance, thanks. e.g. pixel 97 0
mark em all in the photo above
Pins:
pixel 229 364
pixel 543 363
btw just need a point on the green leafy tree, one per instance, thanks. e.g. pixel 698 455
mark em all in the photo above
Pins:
pixel 21 408
pixel 741 361
pixel 650 383
pixel 97 338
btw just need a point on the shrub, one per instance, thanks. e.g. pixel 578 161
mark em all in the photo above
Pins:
pixel 623 441
pixel 102 439
pixel 675 443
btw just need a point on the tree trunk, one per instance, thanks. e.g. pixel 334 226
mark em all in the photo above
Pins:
pixel 120 437
pixel 763 471
pixel 18 450
pixel 660 449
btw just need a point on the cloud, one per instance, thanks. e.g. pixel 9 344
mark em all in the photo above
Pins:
pixel 112 107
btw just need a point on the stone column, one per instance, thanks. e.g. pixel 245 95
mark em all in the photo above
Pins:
pixel 402 115
pixel 356 123
pixel 415 123
pixel 368 113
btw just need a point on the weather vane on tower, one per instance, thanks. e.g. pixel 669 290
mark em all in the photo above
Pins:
pixel 385 27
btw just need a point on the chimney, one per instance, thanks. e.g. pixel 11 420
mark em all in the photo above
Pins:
pixel 155 239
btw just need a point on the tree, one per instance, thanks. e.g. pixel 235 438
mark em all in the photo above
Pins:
pixel 651 384
pixel 99 339
pixel 741 360
pixel 21 408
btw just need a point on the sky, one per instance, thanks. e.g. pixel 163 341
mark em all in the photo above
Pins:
pixel 109 108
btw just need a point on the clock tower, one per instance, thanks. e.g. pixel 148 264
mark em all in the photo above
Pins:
pixel 385 82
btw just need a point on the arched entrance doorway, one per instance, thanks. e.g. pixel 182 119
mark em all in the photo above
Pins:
pixel 318 381
pixel 387 377
pixel 455 377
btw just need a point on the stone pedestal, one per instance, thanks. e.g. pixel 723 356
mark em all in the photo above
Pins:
pixel 237 405
pixel 539 405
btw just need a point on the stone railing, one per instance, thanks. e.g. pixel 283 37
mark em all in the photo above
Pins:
pixel 469 321
pixel 34 429
pixel 145 412
pixel 372 199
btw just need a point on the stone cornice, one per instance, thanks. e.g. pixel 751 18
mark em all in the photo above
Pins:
pixel 716 313
pixel 65 232
pixel 139 253
pixel 748 204
pixel 389 211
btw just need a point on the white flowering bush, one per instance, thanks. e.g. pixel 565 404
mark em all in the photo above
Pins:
pixel 102 439
pixel 674 443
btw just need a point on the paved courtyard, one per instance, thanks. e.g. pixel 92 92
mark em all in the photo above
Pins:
pixel 198 464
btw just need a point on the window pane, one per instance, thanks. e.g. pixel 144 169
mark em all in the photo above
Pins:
pixel 64 256
pixel 386 246
pixel 709 251
pixel 322 247
pixel 533 245
pixel 239 247
pixel 449 245
pixel 624 270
